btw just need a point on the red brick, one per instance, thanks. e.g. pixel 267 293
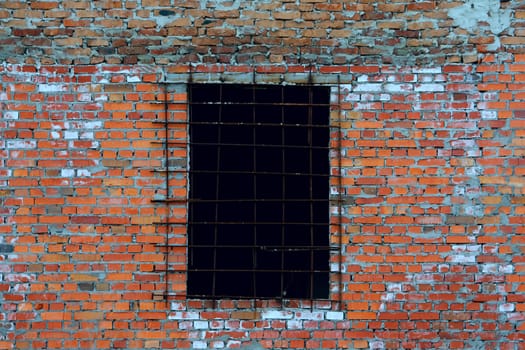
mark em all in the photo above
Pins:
pixel 361 315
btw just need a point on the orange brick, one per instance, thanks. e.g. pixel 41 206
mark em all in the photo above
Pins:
pixel 351 315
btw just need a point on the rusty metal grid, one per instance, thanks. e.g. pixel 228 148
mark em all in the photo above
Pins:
pixel 191 223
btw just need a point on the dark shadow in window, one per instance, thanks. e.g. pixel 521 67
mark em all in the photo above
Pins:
pixel 259 191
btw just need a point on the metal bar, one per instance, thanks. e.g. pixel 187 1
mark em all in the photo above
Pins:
pixel 258 86
pixel 187 177
pixel 310 183
pixel 291 125
pixel 240 172
pixel 259 247
pixel 253 223
pixel 283 196
pixel 156 102
pixel 259 104
pixel 188 181
pixel 167 179
pixel 254 167
pixel 180 200
pixel 251 270
pixel 215 144
pixel 242 223
pixel 217 187
pixel 240 200
pixel 236 297
pixel 340 193
pixel 175 296
pixel 294 248
pixel 190 174
pixel 179 143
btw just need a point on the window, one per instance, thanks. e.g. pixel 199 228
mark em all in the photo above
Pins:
pixel 259 191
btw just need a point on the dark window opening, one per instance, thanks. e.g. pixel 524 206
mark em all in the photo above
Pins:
pixel 259 191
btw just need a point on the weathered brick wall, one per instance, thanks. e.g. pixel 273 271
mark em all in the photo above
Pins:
pixel 219 31
pixel 433 124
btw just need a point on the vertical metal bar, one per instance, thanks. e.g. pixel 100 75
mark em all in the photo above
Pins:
pixel 283 196
pixel 217 186
pixel 167 178
pixel 254 166
pixel 340 191
pixel 310 172
pixel 190 178
pixel 190 172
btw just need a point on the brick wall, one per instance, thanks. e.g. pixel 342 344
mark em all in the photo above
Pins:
pixel 431 107
pixel 218 31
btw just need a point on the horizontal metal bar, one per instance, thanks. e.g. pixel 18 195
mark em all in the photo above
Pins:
pixel 169 200
pixel 167 103
pixel 164 122
pixel 255 85
pixel 297 248
pixel 232 297
pixel 259 124
pixel 169 270
pixel 186 171
pixel 259 104
pixel 257 270
pixel 233 103
pixel 182 144
pixel 171 223
pixel 253 145
pixel 185 223
pixel 254 223
pixel 159 102
pixel 240 200
pixel 260 247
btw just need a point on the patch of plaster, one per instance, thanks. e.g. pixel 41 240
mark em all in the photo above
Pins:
pixel 472 12
pixel 222 5
pixel 163 21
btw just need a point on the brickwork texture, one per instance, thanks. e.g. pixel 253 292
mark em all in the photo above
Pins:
pixel 429 99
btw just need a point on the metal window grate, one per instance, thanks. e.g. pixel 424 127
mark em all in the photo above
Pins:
pixel 258 221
